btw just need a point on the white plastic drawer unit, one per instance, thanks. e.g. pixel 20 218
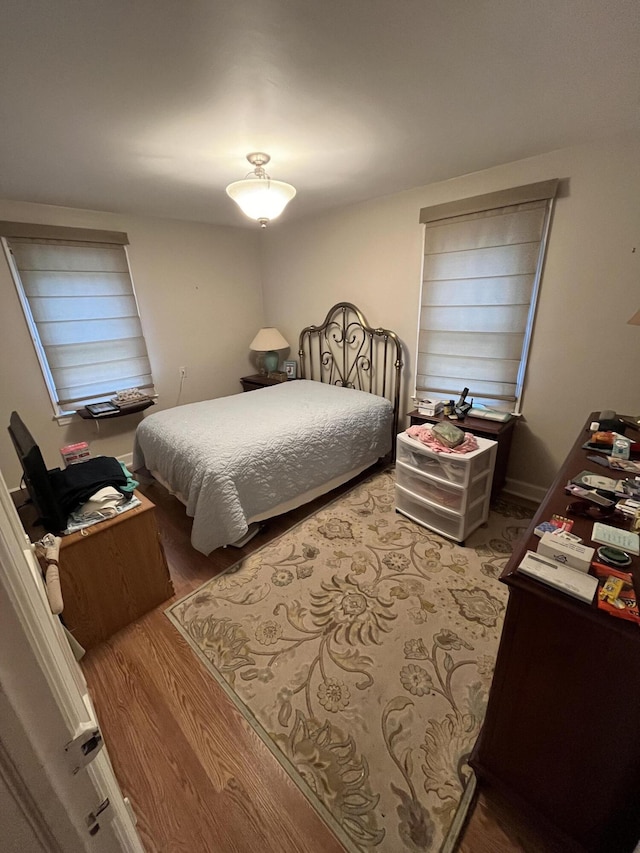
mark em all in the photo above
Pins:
pixel 448 493
pixel 451 467
pixel 449 524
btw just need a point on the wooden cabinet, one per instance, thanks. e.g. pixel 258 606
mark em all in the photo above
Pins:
pixel 445 492
pixel 500 432
pixel 112 573
pixel 561 737
pixel 259 380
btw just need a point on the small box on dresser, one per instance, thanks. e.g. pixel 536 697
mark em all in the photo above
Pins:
pixel 446 492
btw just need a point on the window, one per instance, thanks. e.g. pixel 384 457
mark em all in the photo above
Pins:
pixel 482 265
pixel 77 295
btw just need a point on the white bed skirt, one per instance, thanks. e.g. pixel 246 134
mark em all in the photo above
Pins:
pixel 236 460
pixel 286 506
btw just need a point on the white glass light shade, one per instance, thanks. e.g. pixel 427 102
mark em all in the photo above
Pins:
pixel 261 198
pixel 268 339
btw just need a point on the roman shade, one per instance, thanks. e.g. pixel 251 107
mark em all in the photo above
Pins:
pixel 483 260
pixel 79 301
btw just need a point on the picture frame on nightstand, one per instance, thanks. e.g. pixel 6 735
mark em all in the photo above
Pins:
pixel 291 369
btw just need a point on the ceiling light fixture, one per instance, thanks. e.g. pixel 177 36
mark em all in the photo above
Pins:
pixel 257 195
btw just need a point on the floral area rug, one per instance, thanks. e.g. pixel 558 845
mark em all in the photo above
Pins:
pixel 361 647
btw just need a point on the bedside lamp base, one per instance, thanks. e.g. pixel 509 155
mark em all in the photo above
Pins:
pixel 270 361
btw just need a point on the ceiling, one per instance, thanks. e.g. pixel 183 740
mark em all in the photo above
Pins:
pixel 150 106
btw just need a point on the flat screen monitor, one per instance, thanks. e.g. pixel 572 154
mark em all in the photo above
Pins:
pixel 36 477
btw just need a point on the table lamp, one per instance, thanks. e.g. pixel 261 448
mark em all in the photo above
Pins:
pixel 267 341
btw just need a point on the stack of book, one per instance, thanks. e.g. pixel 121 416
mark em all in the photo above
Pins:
pixel 130 399
pixel 131 404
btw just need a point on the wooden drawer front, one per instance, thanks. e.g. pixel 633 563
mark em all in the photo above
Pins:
pixel 113 575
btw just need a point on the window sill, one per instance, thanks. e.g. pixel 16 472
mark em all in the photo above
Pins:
pixel 64 419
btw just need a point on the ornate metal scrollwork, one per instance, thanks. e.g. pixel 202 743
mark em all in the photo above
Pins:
pixel 346 351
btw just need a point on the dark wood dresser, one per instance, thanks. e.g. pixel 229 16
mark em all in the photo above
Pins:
pixel 561 738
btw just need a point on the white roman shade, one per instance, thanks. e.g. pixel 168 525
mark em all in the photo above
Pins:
pixel 79 301
pixel 482 265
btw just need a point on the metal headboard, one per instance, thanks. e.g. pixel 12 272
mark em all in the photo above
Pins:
pixel 346 351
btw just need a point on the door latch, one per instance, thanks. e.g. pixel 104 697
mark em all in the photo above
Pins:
pixel 92 818
pixel 84 747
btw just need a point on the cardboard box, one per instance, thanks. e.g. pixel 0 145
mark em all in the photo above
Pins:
pixel 565 552
pixel 73 453
pixel 430 407
pixel 569 580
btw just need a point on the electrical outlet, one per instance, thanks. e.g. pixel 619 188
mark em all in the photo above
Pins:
pixel 183 373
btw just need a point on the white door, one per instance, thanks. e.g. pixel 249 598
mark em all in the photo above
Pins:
pixel 54 772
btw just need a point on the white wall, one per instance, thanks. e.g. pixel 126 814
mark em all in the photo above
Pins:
pixel 199 291
pixel 584 356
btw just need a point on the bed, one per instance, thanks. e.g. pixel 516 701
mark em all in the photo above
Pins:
pixel 235 461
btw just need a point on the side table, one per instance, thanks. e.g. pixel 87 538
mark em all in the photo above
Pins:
pixel 501 432
pixel 259 380
pixel 112 573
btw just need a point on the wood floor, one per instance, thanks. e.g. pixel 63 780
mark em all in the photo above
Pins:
pixel 198 777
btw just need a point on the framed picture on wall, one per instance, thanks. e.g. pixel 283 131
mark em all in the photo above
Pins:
pixel 291 369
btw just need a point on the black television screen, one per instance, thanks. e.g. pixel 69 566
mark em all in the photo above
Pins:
pixel 36 477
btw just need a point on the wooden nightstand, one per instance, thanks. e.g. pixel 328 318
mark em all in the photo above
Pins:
pixel 258 380
pixel 112 573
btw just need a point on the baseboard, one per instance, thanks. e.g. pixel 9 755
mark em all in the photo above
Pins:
pixel 528 491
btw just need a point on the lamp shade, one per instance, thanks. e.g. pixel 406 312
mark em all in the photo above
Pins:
pixel 268 339
pixel 257 195
pixel 261 198
pixel 635 320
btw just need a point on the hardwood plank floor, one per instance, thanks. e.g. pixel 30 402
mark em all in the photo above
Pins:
pixel 197 775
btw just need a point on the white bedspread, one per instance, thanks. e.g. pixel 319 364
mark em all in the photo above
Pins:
pixel 236 457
